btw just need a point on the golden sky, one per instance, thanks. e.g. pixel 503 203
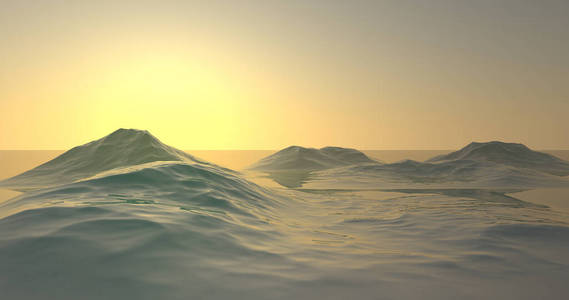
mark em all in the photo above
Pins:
pixel 268 74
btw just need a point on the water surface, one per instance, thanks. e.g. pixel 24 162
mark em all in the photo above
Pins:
pixel 177 231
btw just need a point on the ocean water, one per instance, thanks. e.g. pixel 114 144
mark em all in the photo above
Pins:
pixel 199 230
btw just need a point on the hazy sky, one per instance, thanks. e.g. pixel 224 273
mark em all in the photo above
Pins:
pixel 268 74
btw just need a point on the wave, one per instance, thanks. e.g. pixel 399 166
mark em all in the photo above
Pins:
pixel 154 230
pixel 413 174
pixel 175 184
pixel 553 233
pixel 122 148
pixel 510 154
pixel 308 159
pixel 160 224
pixel 480 165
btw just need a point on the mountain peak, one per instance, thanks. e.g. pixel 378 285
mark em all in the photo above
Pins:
pixel 121 131
pixel 482 150
pixel 510 154
pixel 496 144
pixel 301 158
pixel 121 148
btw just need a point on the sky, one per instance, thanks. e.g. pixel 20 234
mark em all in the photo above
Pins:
pixel 269 74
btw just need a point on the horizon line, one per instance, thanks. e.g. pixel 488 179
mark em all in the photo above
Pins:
pixel 360 149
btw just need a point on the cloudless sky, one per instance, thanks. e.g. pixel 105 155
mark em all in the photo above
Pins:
pixel 268 74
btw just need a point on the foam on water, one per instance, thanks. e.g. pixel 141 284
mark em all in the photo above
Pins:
pixel 184 228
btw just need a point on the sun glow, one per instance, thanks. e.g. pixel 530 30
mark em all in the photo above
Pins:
pixel 235 75
pixel 193 95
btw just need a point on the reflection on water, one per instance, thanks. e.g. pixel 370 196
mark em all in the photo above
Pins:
pixel 390 156
pixel 175 231
pixel 232 159
pixel 557 199
pixel 14 162
pixel 289 179
pixel 7 194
